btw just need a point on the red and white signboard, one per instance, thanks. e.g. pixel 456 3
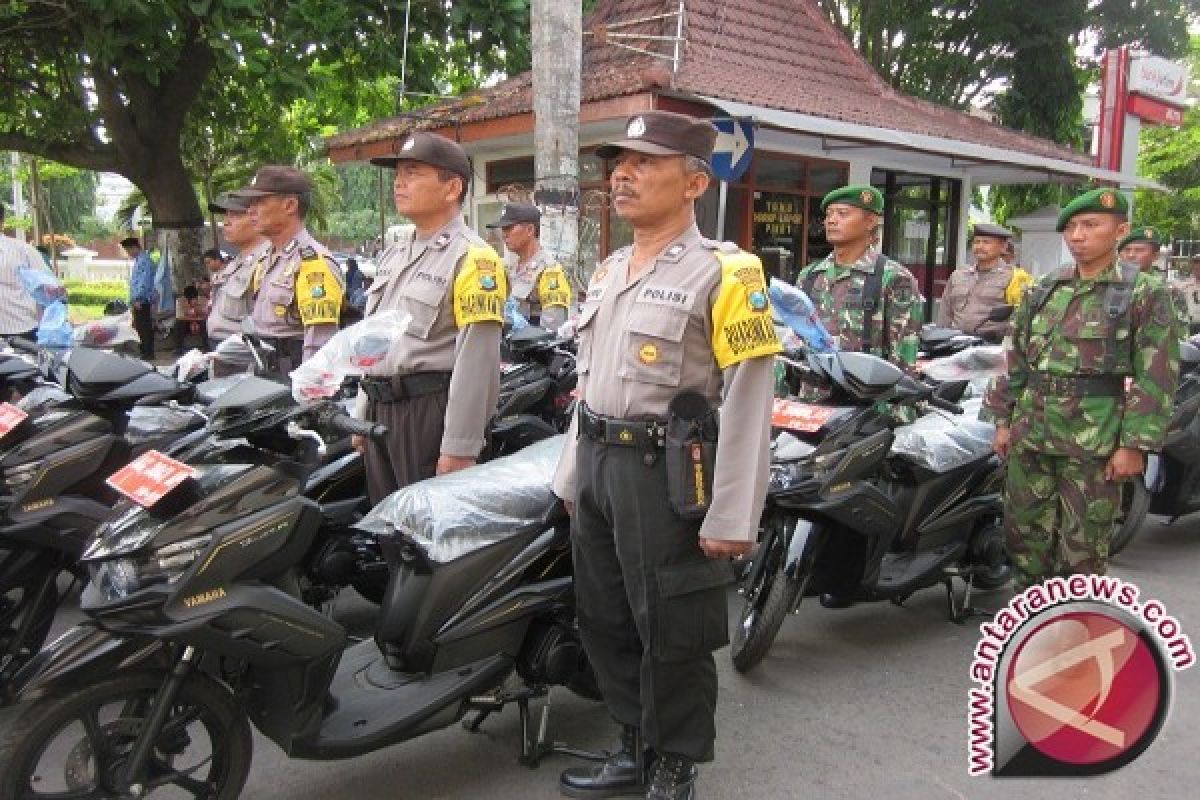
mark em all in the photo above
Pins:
pixel 1150 110
pixel 1159 78
pixel 10 417
pixel 802 417
pixel 149 477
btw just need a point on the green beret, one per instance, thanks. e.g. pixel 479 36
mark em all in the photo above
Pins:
pixel 865 197
pixel 1104 201
pixel 1141 235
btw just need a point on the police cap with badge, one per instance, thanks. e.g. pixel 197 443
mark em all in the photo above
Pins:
pixel 991 229
pixel 432 149
pixel 665 133
pixel 229 201
pixel 517 214
pixel 275 179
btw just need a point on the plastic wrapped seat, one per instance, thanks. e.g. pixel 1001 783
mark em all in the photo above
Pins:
pixel 452 515
pixel 941 442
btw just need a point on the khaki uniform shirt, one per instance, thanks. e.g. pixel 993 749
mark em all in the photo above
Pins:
pixel 687 323
pixel 453 287
pixel 299 292
pixel 232 297
pixel 970 295
pixel 542 290
pixel 1189 287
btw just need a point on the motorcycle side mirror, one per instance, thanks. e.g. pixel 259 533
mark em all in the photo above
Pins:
pixel 1000 313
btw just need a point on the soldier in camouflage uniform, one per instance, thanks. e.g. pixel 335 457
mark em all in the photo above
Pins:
pixel 1141 246
pixel 1093 358
pixel 864 314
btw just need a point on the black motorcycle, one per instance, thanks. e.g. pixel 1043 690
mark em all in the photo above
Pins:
pixel 196 630
pixel 536 391
pixel 851 520
pixel 1170 486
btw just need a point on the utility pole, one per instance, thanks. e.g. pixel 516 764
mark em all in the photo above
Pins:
pixel 557 28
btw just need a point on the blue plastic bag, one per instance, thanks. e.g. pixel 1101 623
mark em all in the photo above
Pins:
pixel 796 310
pixel 43 287
pixel 512 317
pixel 55 328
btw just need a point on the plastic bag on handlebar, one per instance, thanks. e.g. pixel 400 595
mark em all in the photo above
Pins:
pixel 351 351
pixel 794 307
pixel 513 317
pixel 55 328
pixel 452 515
pixel 976 365
pixel 942 442
pixel 106 332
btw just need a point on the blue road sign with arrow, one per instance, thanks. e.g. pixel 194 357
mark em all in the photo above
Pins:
pixel 734 147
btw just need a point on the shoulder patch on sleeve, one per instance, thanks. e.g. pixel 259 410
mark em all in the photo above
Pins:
pixel 319 290
pixel 742 324
pixel 480 288
pixel 554 288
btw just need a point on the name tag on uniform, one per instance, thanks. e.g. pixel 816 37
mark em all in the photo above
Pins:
pixel 428 277
pixel 594 294
pixel 668 296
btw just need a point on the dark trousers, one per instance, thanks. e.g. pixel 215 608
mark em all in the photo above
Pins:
pixel 412 447
pixel 652 607
pixel 183 328
pixel 289 354
pixel 143 323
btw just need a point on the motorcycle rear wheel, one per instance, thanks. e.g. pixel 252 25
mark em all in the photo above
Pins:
pixel 1135 504
pixel 764 610
pixel 74 743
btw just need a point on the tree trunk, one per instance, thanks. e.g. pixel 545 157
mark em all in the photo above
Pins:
pixel 176 214
pixel 557 53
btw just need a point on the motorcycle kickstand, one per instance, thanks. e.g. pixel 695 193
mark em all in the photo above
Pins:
pixel 960 613
pixel 535 748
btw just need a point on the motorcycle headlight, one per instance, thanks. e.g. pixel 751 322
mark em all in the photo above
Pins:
pixel 118 578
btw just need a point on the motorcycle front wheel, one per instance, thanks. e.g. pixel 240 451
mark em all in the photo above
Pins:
pixel 76 743
pixel 1135 503
pixel 766 605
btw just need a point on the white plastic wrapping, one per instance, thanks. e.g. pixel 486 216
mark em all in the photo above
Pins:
pixel 979 365
pixel 41 398
pixel 350 352
pixel 105 332
pixel 941 442
pixel 452 515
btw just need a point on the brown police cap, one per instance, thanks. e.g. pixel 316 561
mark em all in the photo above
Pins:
pixel 229 201
pixel 991 229
pixel 664 133
pixel 273 179
pixel 516 214
pixel 431 149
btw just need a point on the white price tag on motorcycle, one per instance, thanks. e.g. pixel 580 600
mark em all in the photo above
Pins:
pixel 791 415
pixel 10 417
pixel 149 477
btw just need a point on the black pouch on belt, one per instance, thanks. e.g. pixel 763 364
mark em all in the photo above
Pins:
pixel 691 453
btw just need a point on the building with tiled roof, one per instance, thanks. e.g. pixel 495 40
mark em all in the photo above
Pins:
pixel 821 117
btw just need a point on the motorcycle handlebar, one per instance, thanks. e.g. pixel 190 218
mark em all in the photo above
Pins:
pixel 344 423
pixel 24 345
pixel 944 405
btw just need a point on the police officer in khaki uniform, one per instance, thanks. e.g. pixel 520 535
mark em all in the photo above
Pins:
pixel 673 313
pixel 537 282
pixel 232 298
pixel 437 387
pixel 973 291
pixel 298 285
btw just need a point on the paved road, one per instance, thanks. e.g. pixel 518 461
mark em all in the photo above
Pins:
pixel 863 702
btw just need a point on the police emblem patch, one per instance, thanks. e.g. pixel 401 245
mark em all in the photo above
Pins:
pixel 409 144
pixel 757 300
pixel 600 275
pixel 487 283
pixel 317 292
pixel 636 129
pixel 554 283
pixel 648 354
pixel 1108 200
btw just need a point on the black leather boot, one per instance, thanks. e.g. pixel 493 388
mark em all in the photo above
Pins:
pixel 674 778
pixel 620 775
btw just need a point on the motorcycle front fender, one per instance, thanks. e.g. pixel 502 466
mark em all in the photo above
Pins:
pixel 81 655
pixel 801 546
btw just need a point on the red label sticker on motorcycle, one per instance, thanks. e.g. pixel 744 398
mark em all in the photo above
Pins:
pixel 803 417
pixel 10 417
pixel 149 477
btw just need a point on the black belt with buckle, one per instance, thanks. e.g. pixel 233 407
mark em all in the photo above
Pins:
pixel 404 387
pixel 647 434
pixel 1078 385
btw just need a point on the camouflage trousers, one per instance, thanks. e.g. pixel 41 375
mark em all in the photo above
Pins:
pixel 1058 515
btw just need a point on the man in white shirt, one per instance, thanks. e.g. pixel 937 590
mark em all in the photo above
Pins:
pixel 19 314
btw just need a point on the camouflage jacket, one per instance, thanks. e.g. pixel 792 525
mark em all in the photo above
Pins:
pixel 1068 336
pixel 837 294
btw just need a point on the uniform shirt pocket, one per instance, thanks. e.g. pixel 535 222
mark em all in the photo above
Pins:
pixel 422 298
pixel 653 345
pixel 280 292
pixel 1090 336
pixel 584 331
